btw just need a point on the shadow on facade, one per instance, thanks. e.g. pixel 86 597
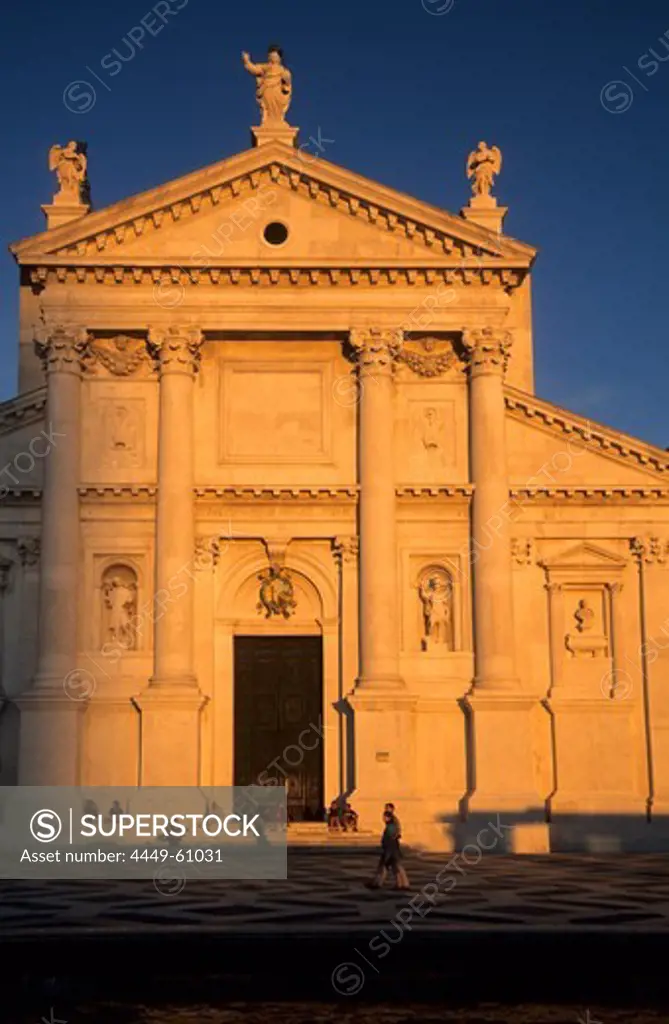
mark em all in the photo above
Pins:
pixel 530 832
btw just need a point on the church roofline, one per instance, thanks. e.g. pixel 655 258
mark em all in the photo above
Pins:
pixel 601 439
pixel 23 409
pixel 278 161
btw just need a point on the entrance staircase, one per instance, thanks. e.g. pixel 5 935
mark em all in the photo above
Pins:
pixel 316 833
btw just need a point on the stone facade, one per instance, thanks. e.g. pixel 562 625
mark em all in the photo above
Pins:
pixel 274 398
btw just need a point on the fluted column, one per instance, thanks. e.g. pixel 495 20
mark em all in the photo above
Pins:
pixel 49 717
pixel 494 637
pixel 176 350
pixel 379 598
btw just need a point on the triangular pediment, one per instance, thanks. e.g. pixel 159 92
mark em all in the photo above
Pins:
pixel 585 556
pixel 216 215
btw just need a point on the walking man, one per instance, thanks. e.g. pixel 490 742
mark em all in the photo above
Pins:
pixel 391 855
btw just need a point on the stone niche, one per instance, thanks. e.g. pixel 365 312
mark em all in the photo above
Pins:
pixel 583 587
pixel 432 607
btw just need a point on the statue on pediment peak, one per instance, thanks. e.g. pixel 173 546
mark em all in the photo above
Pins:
pixel 274 85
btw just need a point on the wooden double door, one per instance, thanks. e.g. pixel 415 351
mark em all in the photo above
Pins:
pixel 278 702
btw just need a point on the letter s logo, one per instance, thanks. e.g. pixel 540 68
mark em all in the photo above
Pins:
pixel 45 826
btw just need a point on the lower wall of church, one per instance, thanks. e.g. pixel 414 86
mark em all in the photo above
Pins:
pixel 578 758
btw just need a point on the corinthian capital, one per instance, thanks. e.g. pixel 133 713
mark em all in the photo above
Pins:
pixel 345 550
pixel 376 347
pixel 175 349
pixel 487 348
pixel 649 550
pixel 63 348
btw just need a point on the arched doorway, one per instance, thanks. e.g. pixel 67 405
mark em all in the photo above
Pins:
pixel 284 682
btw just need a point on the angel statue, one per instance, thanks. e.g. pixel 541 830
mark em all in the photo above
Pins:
pixel 71 165
pixel 274 85
pixel 482 165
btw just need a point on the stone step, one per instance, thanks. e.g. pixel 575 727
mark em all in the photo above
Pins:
pixel 316 833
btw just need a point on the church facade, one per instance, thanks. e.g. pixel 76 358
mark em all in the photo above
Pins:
pixel 281 505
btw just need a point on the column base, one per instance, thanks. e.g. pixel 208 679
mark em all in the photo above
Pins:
pixel 170 731
pixel 383 744
pixel 381 684
pixel 506 755
pixel 49 738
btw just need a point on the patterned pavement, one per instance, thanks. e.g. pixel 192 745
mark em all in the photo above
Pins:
pixel 325 894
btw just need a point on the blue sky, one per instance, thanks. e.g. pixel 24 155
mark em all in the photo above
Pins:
pixel 571 91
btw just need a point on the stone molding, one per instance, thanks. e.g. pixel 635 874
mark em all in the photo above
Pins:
pixel 323 274
pixel 589 495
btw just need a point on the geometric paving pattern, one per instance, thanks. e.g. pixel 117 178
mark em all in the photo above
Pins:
pixel 325 892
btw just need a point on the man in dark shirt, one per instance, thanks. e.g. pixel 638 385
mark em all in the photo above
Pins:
pixel 391 855
pixel 390 808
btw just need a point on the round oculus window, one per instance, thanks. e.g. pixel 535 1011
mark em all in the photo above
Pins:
pixel 275 233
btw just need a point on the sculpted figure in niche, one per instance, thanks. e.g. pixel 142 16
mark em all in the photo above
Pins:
pixel 435 591
pixel 119 591
pixel 70 164
pixel 483 164
pixel 274 85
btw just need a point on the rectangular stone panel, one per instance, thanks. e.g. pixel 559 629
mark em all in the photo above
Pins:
pixel 275 413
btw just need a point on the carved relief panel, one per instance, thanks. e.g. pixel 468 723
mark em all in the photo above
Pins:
pixel 119 431
pixel 123 432
pixel 430 432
